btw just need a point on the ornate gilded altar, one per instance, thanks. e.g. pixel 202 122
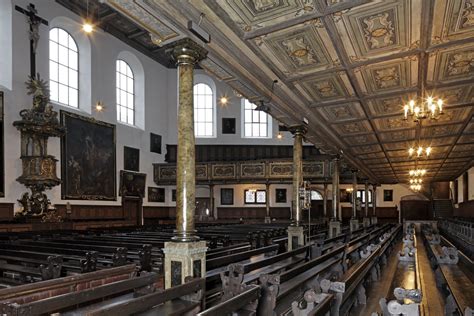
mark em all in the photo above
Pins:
pixel 39 169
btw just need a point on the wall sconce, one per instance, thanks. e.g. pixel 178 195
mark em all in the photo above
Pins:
pixel 99 106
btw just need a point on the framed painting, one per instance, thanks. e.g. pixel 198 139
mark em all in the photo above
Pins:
pixel 387 195
pixel 228 125
pixel 155 143
pixel 346 196
pixel 2 150
pixel 131 158
pixel 156 194
pixel 280 195
pixel 132 183
pixel 227 196
pixel 87 159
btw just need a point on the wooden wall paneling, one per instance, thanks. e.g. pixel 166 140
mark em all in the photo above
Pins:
pixel 465 209
pixel 6 211
pixel 415 210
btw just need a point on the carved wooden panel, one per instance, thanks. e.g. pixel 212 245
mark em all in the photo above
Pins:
pixel 252 170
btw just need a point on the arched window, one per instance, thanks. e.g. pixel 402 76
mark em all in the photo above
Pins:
pixel 203 110
pixel 256 123
pixel 316 196
pixel 63 68
pixel 125 93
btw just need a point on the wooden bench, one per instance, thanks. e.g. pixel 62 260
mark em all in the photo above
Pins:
pixel 16 296
pixel 179 300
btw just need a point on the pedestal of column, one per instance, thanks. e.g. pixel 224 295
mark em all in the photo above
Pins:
pixel 183 259
pixel 374 220
pixel 366 221
pixel 296 238
pixel 268 220
pixel 334 228
pixel 354 224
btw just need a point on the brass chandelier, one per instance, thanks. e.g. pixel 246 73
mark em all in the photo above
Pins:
pixel 427 108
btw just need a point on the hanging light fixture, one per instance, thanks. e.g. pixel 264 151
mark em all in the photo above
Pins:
pixel 87 25
pixel 416 181
pixel 415 187
pixel 417 172
pixel 419 151
pixel 424 107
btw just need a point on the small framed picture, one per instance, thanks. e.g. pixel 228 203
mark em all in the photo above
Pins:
pixel 387 195
pixel 280 195
pixel 131 158
pixel 155 143
pixel 173 195
pixel 156 194
pixel 228 125
pixel 227 196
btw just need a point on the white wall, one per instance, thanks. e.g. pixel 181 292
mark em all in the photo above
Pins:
pixel 104 52
pixel 160 99
pixel 470 176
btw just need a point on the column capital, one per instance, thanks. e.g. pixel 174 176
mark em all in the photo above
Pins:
pixel 298 129
pixel 186 51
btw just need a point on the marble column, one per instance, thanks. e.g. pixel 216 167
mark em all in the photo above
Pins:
pixel 296 237
pixel 366 219
pixel 211 201
pixel 374 204
pixel 185 255
pixel 325 200
pixel 267 205
pixel 334 224
pixel 354 222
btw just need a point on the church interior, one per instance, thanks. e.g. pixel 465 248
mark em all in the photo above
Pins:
pixel 237 157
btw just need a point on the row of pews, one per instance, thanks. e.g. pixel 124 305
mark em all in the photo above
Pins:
pixel 31 257
pixel 453 268
pixel 327 276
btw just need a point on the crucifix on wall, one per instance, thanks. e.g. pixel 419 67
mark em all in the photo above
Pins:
pixel 34 21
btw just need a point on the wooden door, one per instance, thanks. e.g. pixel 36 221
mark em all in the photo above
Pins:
pixel 132 209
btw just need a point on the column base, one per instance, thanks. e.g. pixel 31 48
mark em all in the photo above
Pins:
pixel 296 238
pixel 354 224
pixel 268 220
pixel 334 229
pixel 374 220
pixel 183 259
pixel 366 221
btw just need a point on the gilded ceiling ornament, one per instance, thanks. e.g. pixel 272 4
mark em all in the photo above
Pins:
pixel 396 123
pixel 461 63
pixel 155 39
pixel 318 23
pixel 352 128
pixel 326 89
pixel 378 30
pixel 264 5
pixel 468 14
pixel 300 52
pixel 341 112
pixel 387 77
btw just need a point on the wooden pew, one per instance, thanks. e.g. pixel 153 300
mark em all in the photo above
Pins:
pixel 13 298
pixel 451 276
pixel 185 299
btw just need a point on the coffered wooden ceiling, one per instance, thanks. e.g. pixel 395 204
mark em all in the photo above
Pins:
pixel 348 67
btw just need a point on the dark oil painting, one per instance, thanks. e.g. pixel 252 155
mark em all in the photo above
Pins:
pixel 132 183
pixel 227 196
pixel 346 196
pixel 87 159
pixel 131 158
pixel 280 195
pixel 155 143
pixel 228 125
pixel 156 194
pixel 2 153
